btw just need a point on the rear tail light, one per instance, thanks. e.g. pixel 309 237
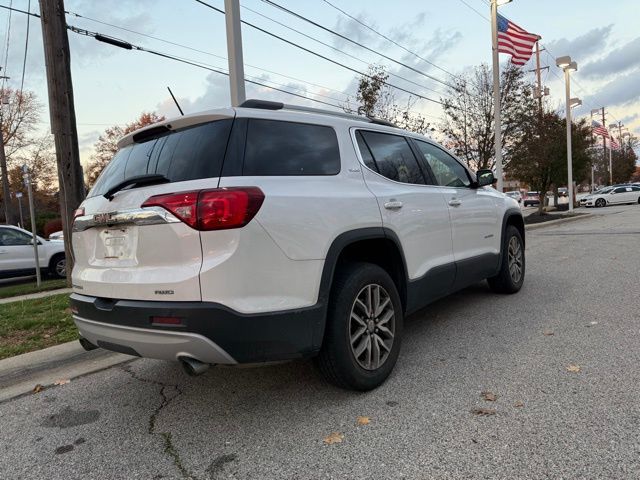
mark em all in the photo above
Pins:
pixel 216 209
pixel 78 212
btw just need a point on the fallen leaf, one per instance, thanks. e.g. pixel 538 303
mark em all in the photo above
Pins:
pixel 335 437
pixel 483 411
pixel 573 368
pixel 548 333
pixel 519 404
pixel 68 310
pixel 591 324
pixel 38 388
pixel 489 396
pixel 46 335
pixel 363 420
pixel 62 381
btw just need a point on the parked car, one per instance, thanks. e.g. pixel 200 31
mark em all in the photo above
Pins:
pixel 532 199
pixel 614 195
pixel 270 232
pixel 563 192
pixel 516 195
pixel 583 200
pixel 17 256
pixel 57 236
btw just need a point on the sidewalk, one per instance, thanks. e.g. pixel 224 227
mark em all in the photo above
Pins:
pixel 30 296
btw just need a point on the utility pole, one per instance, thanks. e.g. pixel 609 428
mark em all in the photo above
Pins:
pixel 234 51
pixel 604 147
pixel 63 117
pixel 539 79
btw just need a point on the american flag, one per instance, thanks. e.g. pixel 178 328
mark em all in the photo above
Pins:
pixel 614 145
pixel 598 129
pixel 515 41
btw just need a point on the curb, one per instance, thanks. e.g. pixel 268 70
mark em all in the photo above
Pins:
pixel 20 374
pixel 31 296
pixel 559 221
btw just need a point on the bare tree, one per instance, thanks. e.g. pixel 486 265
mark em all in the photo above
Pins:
pixel 107 144
pixel 19 115
pixel 375 98
pixel 468 114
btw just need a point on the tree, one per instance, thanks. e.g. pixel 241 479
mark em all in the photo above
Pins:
pixel 19 115
pixel 375 99
pixel 539 155
pixel 107 144
pixel 468 114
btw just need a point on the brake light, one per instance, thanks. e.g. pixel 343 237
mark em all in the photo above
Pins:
pixel 216 209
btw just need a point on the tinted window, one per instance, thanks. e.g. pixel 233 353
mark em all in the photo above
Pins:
pixel 393 157
pixel 620 190
pixel 635 189
pixel 365 152
pixel 187 154
pixel 12 238
pixel 446 169
pixel 287 148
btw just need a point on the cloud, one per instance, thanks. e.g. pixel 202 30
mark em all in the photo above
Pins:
pixel 630 118
pixel 352 29
pixel 583 46
pixel 619 60
pixel 623 90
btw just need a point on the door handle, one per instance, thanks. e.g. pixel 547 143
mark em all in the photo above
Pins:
pixel 455 203
pixel 393 205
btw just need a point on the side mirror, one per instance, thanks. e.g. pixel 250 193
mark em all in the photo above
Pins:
pixel 485 177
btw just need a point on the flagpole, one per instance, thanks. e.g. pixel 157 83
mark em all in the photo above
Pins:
pixel 496 94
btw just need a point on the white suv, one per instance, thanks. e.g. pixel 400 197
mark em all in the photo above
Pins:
pixel 17 256
pixel 271 232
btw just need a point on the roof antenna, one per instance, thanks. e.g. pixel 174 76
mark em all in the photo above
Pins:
pixel 176 101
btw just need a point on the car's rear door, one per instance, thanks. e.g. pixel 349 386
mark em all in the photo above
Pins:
pixel 412 208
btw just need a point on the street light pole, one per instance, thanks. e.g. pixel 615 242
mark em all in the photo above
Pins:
pixel 27 179
pixel 567 81
pixel 234 51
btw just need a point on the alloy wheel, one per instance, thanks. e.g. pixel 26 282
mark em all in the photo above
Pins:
pixel 515 259
pixel 372 327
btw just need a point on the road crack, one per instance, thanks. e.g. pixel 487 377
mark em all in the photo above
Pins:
pixel 169 448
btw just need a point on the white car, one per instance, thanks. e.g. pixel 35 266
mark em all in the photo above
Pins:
pixel 613 195
pixel 270 232
pixel 17 257
pixel 57 236
pixel 515 194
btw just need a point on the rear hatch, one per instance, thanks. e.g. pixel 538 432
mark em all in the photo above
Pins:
pixel 126 251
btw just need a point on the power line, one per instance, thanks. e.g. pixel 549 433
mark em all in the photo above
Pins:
pixel 26 48
pixel 322 56
pixel 354 57
pixel 169 42
pixel 344 37
pixel 472 8
pixel 360 22
pixel 129 46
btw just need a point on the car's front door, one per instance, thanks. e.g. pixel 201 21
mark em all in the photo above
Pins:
pixel 619 195
pixel 474 216
pixel 16 251
pixel 413 209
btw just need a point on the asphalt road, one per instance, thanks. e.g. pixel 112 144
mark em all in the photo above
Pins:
pixel 579 306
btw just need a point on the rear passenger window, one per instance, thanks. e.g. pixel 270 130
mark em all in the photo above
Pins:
pixel 365 152
pixel 188 154
pixel 393 157
pixel 287 148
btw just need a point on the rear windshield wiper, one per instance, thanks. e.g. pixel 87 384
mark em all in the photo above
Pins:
pixel 137 181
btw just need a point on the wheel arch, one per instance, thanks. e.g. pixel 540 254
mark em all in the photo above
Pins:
pixel 377 245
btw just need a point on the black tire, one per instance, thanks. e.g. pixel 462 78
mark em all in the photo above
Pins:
pixel 601 202
pixel 55 266
pixel 506 281
pixel 337 361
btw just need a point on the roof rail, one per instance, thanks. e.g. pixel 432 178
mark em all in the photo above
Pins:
pixel 268 105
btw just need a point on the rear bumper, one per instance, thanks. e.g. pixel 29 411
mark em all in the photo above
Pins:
pixel 209 332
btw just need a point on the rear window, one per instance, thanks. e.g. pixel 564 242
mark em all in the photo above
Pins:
pixel 287 148
pixel 188 154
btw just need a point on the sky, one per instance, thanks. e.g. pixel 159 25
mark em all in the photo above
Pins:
pixel 113 85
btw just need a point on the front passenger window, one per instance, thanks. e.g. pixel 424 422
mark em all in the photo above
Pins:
pixel 446 169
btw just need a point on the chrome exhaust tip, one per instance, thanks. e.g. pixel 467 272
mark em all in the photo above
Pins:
pixel 193 367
